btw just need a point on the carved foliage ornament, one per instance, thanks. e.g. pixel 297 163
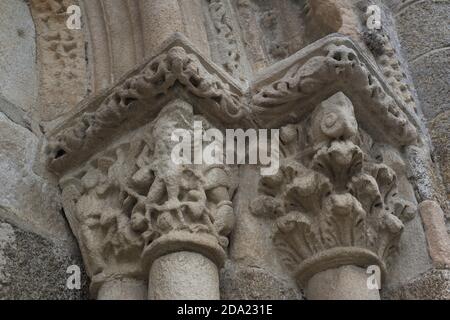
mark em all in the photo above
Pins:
pixel 333 204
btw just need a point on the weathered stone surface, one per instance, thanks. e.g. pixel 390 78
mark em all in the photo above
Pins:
pixel 440 135
pixel 425 37
pixel 422 27
pixel 432 285
pixel 425 175
pixel 344 283
pixel 18 78
pixel 354 158
pixel 393 4
pixel 61 59
pixel 161 18
pixel 7 238
pixel 33 267
pixel 431 76
pixel 240 282
pixel 184 276
pixel 412 258
pixel 14 113
pixel 436 232
pixel 24 196
pixel 123 289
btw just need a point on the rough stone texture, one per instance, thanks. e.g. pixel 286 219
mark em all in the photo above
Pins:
pixel 184 275
pixel 161 18
pixel 239 282
pixel 425 175
pixel 440 135
pixel 423 27
pixel 36 267
pixel 425 37
pixel 436 232
pixel 344 283
pixel 431 75
pixel 14 113
pixel 132 210
pixel 7 238
pixel 252 254
pixel 18 79
pixel 24 196
pixel 412 258
pixel 60 57
pixel 432 285
pixel 123 289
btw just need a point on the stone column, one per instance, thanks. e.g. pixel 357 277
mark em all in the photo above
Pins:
pixel 338 214
pixel 343 283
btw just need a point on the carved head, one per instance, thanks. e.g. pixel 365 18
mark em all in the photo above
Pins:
pixel 334 119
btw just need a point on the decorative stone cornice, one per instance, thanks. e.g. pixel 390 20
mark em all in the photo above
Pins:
pixel 292 88
pixel 129 204
pixel 178 71
pixel 333 203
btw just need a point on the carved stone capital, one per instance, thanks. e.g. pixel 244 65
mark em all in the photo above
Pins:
pixel 334 204
pixel 129 204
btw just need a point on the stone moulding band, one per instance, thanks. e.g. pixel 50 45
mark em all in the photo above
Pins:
pixel 148 207
pixel 335 258
pixel 99 280
pixel 177 241
pixel 306 78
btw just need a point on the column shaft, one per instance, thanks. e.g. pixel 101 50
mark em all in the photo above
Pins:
pixel 184 276
pixel 343 283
